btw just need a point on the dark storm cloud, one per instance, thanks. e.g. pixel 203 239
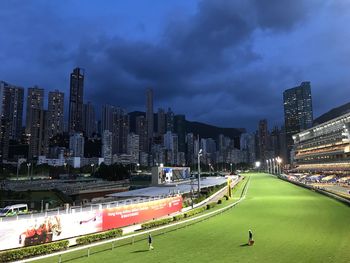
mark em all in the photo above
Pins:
pixel 226 63
pixel 201 54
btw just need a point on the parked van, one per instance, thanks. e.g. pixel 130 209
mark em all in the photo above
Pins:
pixel 13 210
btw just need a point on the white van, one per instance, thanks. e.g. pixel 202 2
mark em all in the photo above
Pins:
pixel 13 210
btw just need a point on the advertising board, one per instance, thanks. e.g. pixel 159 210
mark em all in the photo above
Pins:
pixel 40 230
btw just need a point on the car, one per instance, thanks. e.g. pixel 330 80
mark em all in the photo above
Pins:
pixel 13 210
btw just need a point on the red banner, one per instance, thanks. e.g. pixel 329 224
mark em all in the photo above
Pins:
pixel 136 213
pixel 33 231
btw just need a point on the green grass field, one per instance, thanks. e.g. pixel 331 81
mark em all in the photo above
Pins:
pixel 290 224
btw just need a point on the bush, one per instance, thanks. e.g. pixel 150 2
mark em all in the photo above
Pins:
pixel 156 223
pixel 219 201
pixel 26 252
pixel 178 217
pixel 99 236
pixel 211 205
pixel 194 211
pixel 226 197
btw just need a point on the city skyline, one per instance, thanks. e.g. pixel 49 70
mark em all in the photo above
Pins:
pixel 215 62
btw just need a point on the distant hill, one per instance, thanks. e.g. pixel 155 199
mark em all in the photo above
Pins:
pixel 333 113
pixel 197 128
pixel 210 131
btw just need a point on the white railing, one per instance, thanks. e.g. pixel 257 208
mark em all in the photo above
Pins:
pixel 183 222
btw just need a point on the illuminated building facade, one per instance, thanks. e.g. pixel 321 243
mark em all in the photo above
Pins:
pixel 324 148
pixel 298 114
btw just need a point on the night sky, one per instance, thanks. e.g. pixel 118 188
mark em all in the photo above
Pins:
pixel 225 63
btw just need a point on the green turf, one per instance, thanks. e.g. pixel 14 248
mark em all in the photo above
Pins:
pixel 290 224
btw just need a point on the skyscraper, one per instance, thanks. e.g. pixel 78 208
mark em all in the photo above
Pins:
pixel 180 129
pixel 107 147
pixel 161 122
pixel 75 122
pixel 190 149
pixel 141 130
pixel 263 137
pixel 89 119
pixel 35 101
pixel 298 115
pixel 38 139
pixel 170 120
pixel 55 113
pixel 107 117
pixel 149 117
pixel 76 145
pixel 247 143
pixel 11 108
pixel 133 146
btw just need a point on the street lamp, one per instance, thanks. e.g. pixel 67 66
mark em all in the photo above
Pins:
pixel 267 166
pixel 28 165
pixel 231 167
pixel 92 168
pixel 199 170
pixel 279 161
pixel 257 165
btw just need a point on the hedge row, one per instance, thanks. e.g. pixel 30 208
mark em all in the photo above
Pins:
pixel 99 236
pixel 194 211
pixel 177 217
pixel 221 200
pixel 155 223
pixel 26 252
pixel 211 205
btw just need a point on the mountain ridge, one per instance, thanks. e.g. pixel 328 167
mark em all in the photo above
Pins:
pixel 197 128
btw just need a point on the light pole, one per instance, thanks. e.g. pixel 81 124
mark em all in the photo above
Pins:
pixel 279 161
pixel 18 167
pixel 199 171
pixel 231 167
pixel 267 166
pixel 257 165
pixel 92 168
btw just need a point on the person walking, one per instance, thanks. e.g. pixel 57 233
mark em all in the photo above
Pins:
pixel 250 240
pixel 150 242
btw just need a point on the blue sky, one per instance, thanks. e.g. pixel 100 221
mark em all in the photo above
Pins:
pixel 225 63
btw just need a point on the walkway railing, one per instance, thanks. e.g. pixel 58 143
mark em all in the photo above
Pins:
pixel 131 239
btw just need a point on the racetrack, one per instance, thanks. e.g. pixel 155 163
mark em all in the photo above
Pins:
pixel 289 223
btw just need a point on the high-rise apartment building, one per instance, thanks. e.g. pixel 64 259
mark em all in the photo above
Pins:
pixel 141 130
pixel 89 119
pixel 55 113
pixel 161 122
pixel 11 109
pixel 180 129
pixel 149 117
pixel 133 146
pixel 107 147
pixel 35 101
pixel 76 145
pixel 170 120
pixel 247 143
pixel 107 117
pixel 263 137
pixel 120 130
pixel 76 94
pixel 190 148
pixel 298 115
pixel 38 139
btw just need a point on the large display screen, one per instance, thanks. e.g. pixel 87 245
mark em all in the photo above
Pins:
pixel 35 231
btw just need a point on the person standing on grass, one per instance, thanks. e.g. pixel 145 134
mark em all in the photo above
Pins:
pixel 250 241
pixel 150 241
